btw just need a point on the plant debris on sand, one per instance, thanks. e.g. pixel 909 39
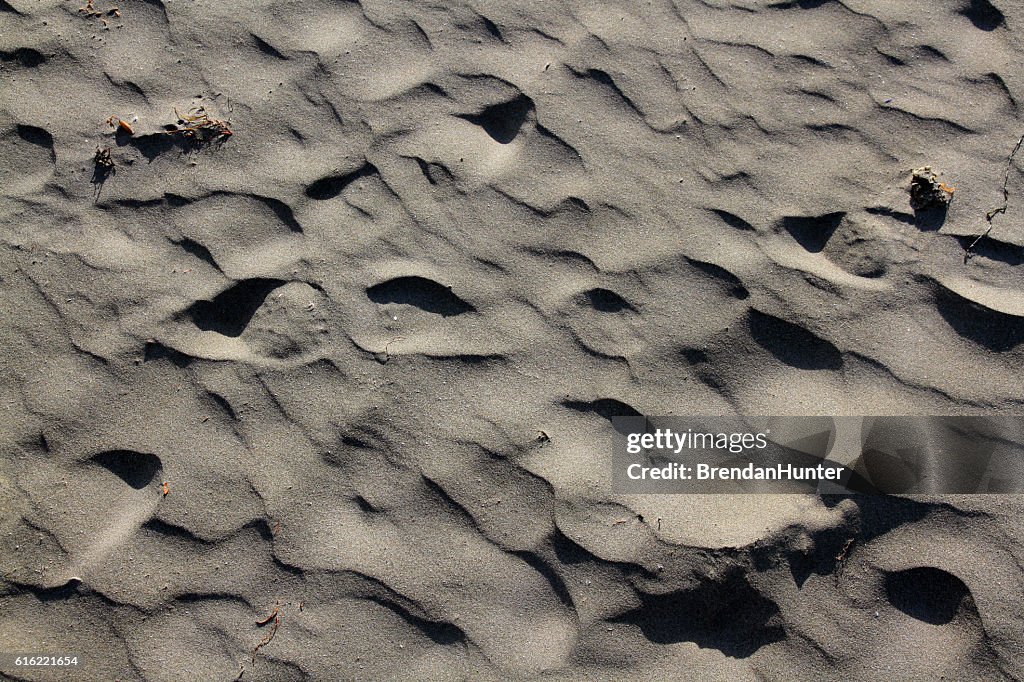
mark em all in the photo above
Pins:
pixel 90 11
pixel 102 159
pixel 102 165
pixel 120 126
pixel 197 128
pixel 998 209
pixel 926 191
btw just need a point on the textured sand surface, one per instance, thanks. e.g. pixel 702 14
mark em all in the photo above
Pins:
pixel 371 341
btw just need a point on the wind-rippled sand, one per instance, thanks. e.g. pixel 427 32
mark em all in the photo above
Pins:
pixel 368 345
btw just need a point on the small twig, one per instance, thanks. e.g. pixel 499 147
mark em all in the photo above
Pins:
pixel 387 350
pixel 845 551
pixel 841 558
pixel 999 209
pixel 273 614
pixel 266 640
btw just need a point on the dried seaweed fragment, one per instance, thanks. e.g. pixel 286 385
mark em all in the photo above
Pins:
pixel 927 191
pixel 102 167
pixel 120 126
pixel 102 160
pixel 90 11
pixel 197 128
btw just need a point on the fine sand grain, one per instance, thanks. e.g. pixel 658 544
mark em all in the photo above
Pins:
pixel 327 398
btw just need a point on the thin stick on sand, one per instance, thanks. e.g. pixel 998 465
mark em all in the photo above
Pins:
pixel 999 209
pixel 274 616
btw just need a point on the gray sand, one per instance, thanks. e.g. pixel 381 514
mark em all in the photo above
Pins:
pixel 307 366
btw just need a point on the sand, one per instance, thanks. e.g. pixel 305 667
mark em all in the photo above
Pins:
pixel 328 398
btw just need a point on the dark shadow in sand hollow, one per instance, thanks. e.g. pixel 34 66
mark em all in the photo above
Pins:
pixel 928 594
pixel 423 293
pixel 728 615
pixel 137 469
